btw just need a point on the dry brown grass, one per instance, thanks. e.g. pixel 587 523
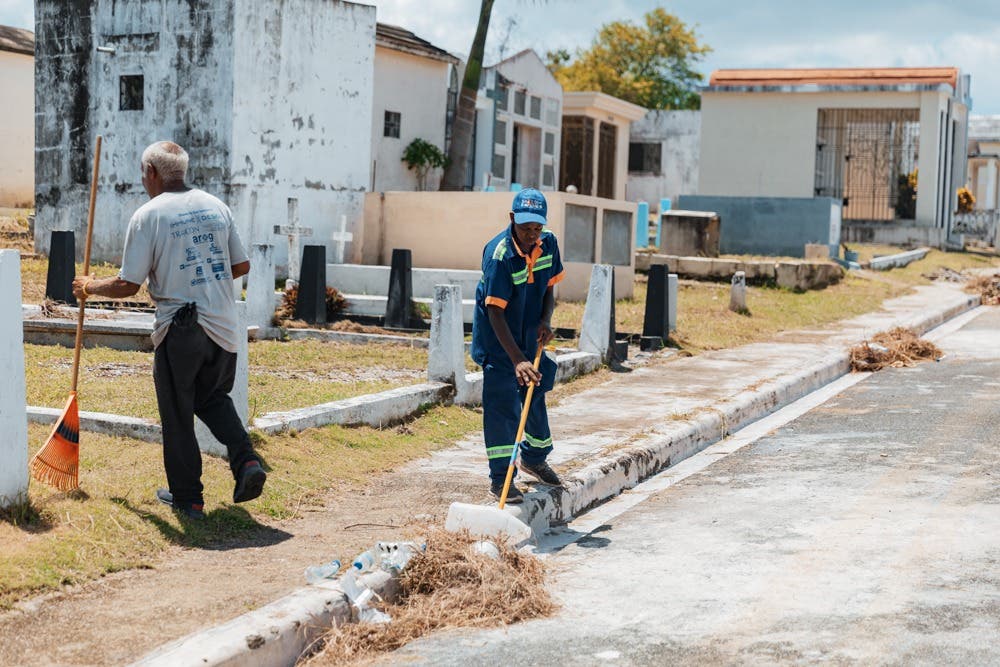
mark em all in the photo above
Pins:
pixel 448 586
pixel 897 348
pixel 987 287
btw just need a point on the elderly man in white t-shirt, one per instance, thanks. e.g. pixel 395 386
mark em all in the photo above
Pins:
pixel 184 243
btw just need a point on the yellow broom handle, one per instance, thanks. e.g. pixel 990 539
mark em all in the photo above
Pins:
pixel 520 430
pixel 86 261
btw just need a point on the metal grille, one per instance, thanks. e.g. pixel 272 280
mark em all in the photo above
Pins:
pixel 864 157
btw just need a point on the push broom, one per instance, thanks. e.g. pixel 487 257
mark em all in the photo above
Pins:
pixel 493 521
pixel 58 461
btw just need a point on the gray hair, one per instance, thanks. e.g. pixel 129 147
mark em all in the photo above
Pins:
pixel 169 159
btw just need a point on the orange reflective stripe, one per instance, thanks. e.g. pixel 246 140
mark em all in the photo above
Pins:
pixel 557 279
pixel 496 301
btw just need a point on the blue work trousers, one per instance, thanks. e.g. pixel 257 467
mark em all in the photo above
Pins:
pixel 503 400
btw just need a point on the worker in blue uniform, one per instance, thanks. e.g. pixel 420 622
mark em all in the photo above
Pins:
pixel 514 304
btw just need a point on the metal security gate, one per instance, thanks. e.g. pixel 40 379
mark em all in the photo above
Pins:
pixel 868 159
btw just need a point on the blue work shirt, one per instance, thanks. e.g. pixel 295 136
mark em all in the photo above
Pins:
pixel 517 283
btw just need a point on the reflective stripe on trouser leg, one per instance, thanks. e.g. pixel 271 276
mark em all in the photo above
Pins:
pixel 537 442
pixel 501 412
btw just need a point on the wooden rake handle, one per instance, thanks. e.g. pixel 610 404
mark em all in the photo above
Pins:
pixel 86 261
pixel 520 430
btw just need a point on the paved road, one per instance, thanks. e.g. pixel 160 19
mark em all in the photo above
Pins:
pixel 866 531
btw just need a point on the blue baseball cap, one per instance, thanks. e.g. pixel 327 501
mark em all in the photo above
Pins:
pixel 529 206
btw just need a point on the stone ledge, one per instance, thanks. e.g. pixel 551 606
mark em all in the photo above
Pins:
pixel 797 274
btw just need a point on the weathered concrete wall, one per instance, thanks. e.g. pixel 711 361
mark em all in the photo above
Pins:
pixel 17 131
pixel 418 220
pixel 679 135
pixel 184 51
pixel 302 113
pixel 764 144
pixel 271 100
pixel 771 225
pixel 907 236
pixel 416 88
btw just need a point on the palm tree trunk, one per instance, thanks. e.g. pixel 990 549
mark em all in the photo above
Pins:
pixel 465 114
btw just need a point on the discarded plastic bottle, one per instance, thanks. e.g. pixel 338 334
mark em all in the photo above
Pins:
pixel 366 561
pixel 317 573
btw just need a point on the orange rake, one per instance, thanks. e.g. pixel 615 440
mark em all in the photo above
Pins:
pixel 58 461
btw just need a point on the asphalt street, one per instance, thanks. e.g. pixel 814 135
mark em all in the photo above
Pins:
pixel 866 531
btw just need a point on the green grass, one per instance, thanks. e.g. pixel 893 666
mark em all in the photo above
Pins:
pixel 116 524
pixel 283 375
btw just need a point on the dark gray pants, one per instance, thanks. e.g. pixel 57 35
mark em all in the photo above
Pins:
pixel 193 376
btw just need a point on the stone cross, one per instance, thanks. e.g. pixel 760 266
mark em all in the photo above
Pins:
pixel 294 232
pixel 340 238
pixel 738 293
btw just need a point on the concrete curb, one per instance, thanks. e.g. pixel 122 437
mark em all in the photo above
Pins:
pixel 606 477
pixel 898 260
pixel 102 422
pixel 277 633
pixel 378 410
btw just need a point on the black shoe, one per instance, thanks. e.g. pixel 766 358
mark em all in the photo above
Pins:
pixel 190 510
pixel 250 483
pixel 543 472
pixel 514 495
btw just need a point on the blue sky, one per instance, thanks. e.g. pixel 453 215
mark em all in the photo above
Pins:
pixel 758 33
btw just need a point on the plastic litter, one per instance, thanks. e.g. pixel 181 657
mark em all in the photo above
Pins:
pixel 878 348
pixel 486 548
pixel 366 561
pixel 395 555
pixel 317 573
pixel 361 596
pixel 485 521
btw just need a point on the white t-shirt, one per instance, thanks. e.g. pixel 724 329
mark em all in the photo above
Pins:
pixel 185 243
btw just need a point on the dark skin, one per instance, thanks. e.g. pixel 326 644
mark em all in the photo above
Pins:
pixel 526 236
pixel 116 288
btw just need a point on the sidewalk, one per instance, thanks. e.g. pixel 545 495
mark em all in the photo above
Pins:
pixel 607 438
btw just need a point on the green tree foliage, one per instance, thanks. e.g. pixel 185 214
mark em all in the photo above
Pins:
pixel 651 65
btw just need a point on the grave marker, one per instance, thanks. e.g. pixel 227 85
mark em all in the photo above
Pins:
pixel 13 403
pixel 311 304
pixel 597 333
pixel 398 309
pixel 341 237
pixel 661 308
pixel 62 268
pixel 738 293
pixel 446 358
pixel 642 225
pixel 260 289
pixel 294 231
